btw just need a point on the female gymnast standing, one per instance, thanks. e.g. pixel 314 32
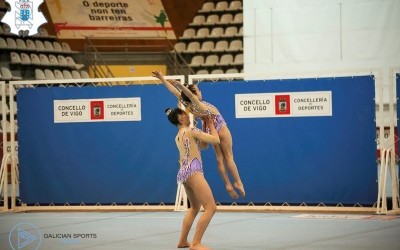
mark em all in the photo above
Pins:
pixel 191 98
pixel 189 141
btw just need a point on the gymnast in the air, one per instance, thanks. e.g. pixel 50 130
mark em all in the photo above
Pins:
pixel 191 98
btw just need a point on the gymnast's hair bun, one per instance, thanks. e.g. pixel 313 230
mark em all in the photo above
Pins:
pixel 168 111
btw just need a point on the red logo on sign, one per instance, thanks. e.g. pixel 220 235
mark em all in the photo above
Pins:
pixel 282 104
pixel 97 110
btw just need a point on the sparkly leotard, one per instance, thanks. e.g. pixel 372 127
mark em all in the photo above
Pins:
pixel 188 167
pixel 199 112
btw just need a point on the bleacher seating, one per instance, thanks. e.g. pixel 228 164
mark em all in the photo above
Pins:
pixel 212 20
pixel 197 61
pixel 211 60
pixel 235 5
pixel 76 74
pixel 202 33
pixel 62 61
pixel 21 45
pixel 225 60
pixel 213 41
pixel 198 20
pixel 216 32
pixel 202 72
pixel 221 6
pixel 207 7
pixel 25 59
pixel 30 45
pixel 235 45
pixel 44 60
pixel 57 47
pixel 58 74
pixel 39 74
pixel 3 43
pixel 238 60
pixel 207 46
pixel 6 75
pixel 225 19
pixel 221 46
pixel 84 74
pixel 230 31
pixel 232 71
pixel 11 44
pixel 15 58
pixel 67 74
pixel 180 47
pixel 217 71
pixel 35 60
pixel 21 55
pixel 188 34
pixel 49 74
pixel 53 60
pixel 238 18
pixel 193 47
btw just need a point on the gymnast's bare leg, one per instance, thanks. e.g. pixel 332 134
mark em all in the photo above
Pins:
pixel 223 173
pixel 224 154
pixel 199 194
pixel 189 218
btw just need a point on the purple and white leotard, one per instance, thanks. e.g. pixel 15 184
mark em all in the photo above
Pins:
pixel 188 169
pixel 196 111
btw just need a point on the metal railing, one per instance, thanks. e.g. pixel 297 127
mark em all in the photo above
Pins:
pixel 96 63
pixel 127 53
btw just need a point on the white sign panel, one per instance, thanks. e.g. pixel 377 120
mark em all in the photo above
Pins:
pixel 312 104
pixel 293 104
pixel 109 19
pixel 97 110
pixel 254 105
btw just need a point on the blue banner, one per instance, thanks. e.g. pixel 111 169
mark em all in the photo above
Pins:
pixel 329 159
pixel 96 162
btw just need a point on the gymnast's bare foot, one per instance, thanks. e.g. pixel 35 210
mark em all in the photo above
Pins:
pixel 199 247
pixel 232 192
pixel 183 244
pixel 240 187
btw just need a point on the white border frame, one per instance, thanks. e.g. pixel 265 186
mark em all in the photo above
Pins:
pixel 233 207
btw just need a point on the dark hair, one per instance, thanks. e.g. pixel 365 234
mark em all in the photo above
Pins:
pixel 172 115
pixel 184 97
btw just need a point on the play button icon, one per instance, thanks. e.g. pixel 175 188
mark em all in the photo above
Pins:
pixel 25 236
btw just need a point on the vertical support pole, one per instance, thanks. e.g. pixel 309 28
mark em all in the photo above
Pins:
pixel 181 203
pixel 178 198
pixel 381 147
pixel 381 206
pixel 380 114
pixel 393 172
pixel 13 153
pixel 395 185
pixel 5 167
pixel 341 31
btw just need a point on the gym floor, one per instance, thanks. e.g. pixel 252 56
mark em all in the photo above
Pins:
pixel 228 230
